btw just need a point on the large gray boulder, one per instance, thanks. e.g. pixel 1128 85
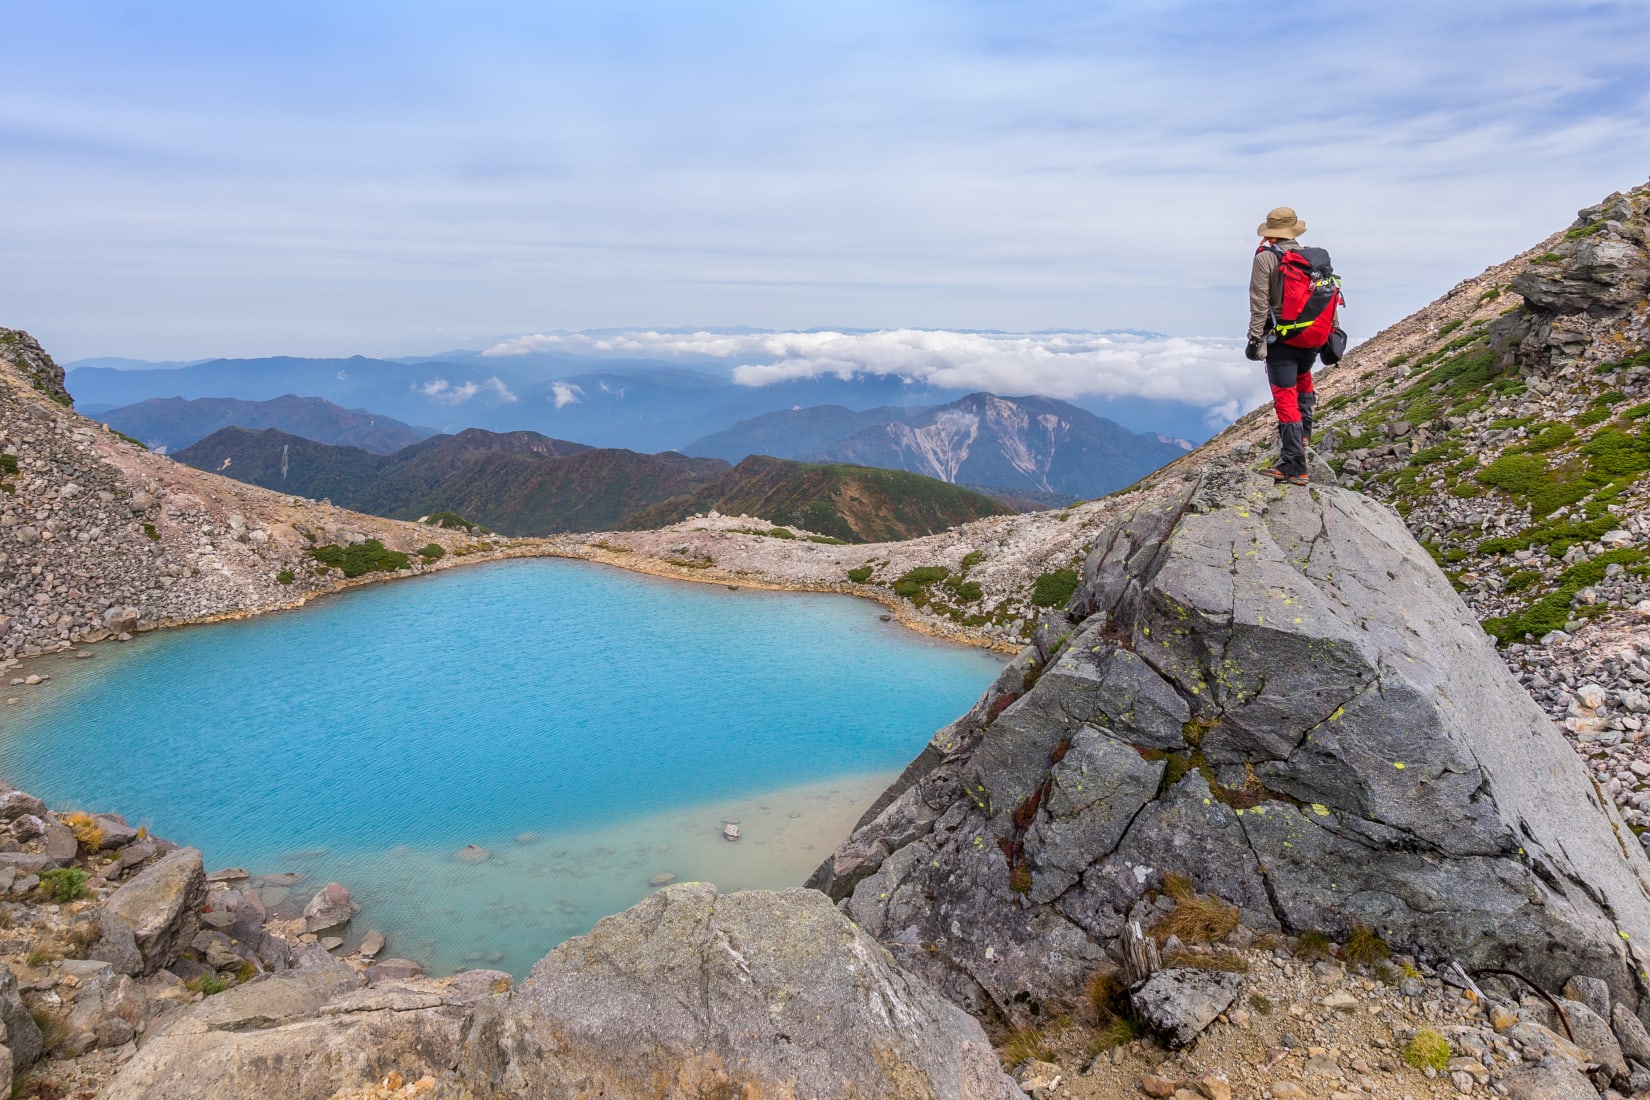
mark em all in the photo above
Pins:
pixel 688 994
pixel 1277 695
pixel 157 914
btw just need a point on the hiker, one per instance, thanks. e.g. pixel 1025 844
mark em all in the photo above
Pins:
pixel 1293 295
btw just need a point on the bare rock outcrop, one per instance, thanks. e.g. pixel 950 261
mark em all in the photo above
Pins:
pixel 150 919
pixel 1278 696
pixel 686 994
pixel 39 369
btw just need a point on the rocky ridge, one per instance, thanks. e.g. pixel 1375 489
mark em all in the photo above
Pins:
pixel 100 538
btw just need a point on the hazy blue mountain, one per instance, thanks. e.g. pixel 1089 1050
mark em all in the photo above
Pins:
pixel 169 424
pixel 1046 449
pixel 641 405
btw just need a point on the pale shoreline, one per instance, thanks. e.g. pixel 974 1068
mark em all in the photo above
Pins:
pixel 903 613
pixel 439 910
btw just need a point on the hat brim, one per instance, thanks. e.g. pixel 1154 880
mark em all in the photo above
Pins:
pixel 1284 233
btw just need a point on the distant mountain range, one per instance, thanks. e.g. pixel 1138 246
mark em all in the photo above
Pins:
pixel 524 483
pixel 1033 446
pixel 642 405
pixel 167 424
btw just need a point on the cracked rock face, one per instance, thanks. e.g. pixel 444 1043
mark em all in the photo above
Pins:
pixel 1278 696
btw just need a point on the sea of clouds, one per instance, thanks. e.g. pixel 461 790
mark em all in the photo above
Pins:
pixel 1207 372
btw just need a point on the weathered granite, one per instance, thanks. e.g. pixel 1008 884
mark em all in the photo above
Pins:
pixel 159 907
pixel 1353 752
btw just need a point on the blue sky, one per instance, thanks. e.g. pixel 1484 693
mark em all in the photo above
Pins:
pixel 191 179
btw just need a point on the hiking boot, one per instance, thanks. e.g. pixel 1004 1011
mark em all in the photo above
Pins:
pixel 1274 473
pixel 1296 479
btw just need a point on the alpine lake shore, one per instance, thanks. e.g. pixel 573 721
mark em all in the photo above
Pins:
pixel 1455 419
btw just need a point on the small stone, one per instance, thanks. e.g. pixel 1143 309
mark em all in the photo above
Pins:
pixel 1213 1086
pixel 372 943
pixel 1153 1085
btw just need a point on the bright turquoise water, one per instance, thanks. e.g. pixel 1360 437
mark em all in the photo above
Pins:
pixel 614 718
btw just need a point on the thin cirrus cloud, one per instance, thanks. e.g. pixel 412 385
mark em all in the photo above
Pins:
pixel 1207 373
pixel 949 164
pixel 443 392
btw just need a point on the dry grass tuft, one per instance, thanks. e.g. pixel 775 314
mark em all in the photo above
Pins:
pixel 85 829
pixel 1121 1030
pixel 1233 964
pixel 1364 948
pixel 1311 946
pixel 1025 1045
pixel 1178 887
pixel 1196 918
pixel 1107 996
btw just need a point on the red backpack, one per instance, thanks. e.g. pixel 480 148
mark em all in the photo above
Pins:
pixel 1311 293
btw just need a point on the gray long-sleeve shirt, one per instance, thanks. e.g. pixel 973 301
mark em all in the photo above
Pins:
pixel 1265 288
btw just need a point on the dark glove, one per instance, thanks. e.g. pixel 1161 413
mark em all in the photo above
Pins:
pixel 1251 351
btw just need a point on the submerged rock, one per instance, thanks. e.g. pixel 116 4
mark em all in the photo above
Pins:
pixel 1278 696
pixel 330 908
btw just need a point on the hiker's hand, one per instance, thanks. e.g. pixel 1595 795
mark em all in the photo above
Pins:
pixel 1251 350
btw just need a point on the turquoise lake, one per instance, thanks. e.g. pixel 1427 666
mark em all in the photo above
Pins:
pixel 592 729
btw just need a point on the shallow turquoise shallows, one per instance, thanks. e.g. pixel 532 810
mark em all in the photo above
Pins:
pixel 592 730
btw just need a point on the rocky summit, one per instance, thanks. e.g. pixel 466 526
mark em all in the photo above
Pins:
pixel 1274 696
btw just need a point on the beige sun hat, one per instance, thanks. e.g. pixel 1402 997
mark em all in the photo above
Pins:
pixel 1282 223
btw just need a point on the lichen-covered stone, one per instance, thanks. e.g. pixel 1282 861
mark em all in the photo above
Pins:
pixel 1353 751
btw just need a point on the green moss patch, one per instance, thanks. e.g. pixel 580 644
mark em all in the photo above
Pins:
pixel 1552 611
pixel 366 557
pixel 1055 588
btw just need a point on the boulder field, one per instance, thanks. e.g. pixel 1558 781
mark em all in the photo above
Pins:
pixel 1275 695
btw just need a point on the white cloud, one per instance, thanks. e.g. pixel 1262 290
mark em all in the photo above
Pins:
pixel 1206 372
pixel 442 392
pixel 565 393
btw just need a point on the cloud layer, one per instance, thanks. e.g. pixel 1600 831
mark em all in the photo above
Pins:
pixel 949 164
pixel 443 392
pixel 1207 373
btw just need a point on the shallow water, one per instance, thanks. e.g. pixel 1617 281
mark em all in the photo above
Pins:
pixel 618 719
